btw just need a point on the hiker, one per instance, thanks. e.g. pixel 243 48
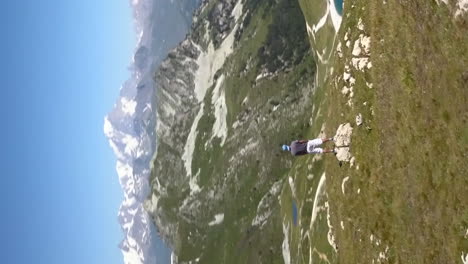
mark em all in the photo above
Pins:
pixel 302 147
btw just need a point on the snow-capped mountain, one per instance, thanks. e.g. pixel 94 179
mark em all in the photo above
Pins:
pixel 130 126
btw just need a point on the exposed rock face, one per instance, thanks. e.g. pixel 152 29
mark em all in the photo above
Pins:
pixel 221 14
pixel 176 109
pixel 175 95
pixel 342 141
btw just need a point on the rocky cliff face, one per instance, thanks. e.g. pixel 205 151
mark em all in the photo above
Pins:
pixel 221 115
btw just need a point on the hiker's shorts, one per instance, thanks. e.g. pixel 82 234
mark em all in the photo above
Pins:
pixel 312 146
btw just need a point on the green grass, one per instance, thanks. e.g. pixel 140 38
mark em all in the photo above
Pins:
pixel 412 172
pixel 410 190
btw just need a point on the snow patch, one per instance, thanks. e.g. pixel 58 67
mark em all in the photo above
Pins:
pixel 343 184
pixel 131 145
pixel 189 147
pixel 173 258
pixel 262 75
pixel 330 236
pixel 218 219
pixel 193 184
pixel 291 185
pixel 464 258
pixel 443 1
pixel 128 106
pixel 315 208
pixel 320 23
pixel 285 245
pixel 211 60
pixel 335 18
pixel 219 102
pixel 133 256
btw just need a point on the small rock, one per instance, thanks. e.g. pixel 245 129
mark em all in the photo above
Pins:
pixel 359 119
pixel 345 90
pixel 360 24
pixel 346 76
pixel 357 48
pixel 338 49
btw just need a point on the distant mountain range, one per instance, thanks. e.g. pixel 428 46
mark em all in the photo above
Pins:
pixel 130 127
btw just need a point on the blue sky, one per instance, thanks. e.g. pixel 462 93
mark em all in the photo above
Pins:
pixel 62 65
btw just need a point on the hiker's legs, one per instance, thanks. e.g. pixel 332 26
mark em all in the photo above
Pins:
pixel 328 151
pixel 320 151
pixel 315 150
pixel 314 143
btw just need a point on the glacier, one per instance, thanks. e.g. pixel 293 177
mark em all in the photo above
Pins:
pixel 131 125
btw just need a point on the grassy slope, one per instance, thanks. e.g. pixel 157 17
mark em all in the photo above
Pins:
pixel 306 241
pixel 412 172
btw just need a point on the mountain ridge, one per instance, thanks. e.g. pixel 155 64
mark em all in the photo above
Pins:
pixel 130 126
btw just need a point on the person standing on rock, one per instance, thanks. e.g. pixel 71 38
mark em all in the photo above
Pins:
pixel 302 147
